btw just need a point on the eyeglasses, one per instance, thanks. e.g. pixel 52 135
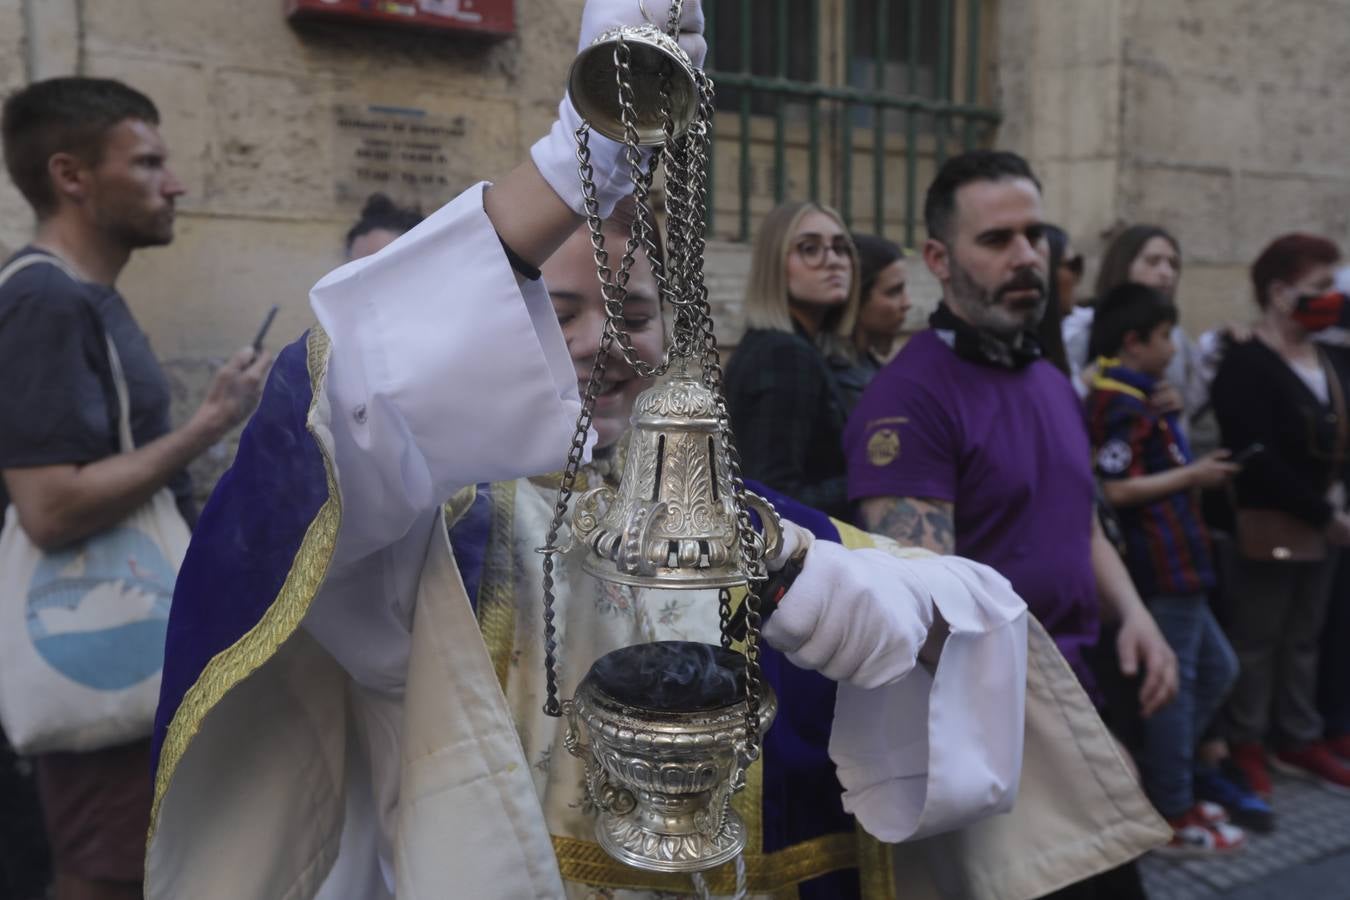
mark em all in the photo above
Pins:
pixel 813 250
pixel 1074 264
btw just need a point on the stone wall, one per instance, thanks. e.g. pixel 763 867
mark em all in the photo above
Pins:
pixel 1223 120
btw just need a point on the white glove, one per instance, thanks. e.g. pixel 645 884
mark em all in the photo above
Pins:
pixel 794 538
pixel 861 616
pixel 600 16
pixel 555 155
pixel 850 618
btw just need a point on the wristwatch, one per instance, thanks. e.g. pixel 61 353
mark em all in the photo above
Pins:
pixel 770 593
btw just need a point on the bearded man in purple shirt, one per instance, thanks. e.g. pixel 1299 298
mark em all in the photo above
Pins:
pixel 969 442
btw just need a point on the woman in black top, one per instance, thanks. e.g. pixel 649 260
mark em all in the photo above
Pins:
pixel 800 304
pixel 1279 398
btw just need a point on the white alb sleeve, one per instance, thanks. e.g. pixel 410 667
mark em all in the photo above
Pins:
pixel 917 752
pixel 445 371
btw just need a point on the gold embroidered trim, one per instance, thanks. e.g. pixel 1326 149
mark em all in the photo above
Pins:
pixel 236 662
pixel 459 503
pixel 497 590
pixel 585 862
pixel 876 872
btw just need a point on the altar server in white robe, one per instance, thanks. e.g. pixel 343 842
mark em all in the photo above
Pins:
pixel 332 725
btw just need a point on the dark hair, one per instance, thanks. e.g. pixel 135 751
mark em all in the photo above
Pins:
pixel 1050 332
pixel 382 214
pixel 1287 259
pixel 63 115
pixel 874 255
pixel 1121 252
pixel 939 206
pixel 1128 308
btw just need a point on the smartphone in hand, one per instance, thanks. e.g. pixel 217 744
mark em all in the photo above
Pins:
pixel 262 331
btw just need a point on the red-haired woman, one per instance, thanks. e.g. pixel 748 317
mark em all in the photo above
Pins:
pixel 1281 398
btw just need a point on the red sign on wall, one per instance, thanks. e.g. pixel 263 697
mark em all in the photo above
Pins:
pixel 485 17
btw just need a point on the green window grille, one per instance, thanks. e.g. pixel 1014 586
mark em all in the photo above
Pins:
pixel 853 103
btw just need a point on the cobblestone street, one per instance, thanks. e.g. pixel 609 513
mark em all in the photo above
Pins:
pixel 1307 857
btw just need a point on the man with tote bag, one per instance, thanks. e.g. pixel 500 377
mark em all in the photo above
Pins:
pixel 94 488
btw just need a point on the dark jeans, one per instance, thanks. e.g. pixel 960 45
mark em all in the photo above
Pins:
pixel 1117 884
pixel 1274 616
pixel 1207 668
pixel 25 861
pixel 1333 685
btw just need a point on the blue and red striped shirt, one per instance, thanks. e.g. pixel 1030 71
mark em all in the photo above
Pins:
pixel 1168 547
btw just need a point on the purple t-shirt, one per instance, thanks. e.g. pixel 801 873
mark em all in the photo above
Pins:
pixel 1010 450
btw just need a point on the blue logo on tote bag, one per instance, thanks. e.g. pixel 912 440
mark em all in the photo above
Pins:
pixel 98 612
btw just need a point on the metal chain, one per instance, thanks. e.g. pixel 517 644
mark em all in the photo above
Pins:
pixel 681 282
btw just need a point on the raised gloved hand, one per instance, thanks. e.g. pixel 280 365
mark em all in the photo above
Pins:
pixel 600 16
pixel 861 616
pixel 555 155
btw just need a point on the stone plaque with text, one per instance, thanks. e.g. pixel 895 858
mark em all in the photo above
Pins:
pixel 410 155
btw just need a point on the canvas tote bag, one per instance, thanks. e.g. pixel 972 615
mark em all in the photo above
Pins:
pixel 82 628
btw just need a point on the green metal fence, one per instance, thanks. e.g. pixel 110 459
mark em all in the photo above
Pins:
pixel 847 102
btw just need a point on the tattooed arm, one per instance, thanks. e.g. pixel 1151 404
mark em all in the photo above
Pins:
pixel 912 522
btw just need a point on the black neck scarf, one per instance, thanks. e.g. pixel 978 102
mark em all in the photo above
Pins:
pixel 970 343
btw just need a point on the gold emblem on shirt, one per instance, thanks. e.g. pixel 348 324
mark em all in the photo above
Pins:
pixel 883 447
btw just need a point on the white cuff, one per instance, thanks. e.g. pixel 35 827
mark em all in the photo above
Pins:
pixel 555 155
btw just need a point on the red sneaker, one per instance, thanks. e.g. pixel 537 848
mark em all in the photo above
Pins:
pixel 1340 745
pixel 1250 758
pixel 1210 813
pixel 1317 763
pixel 1193 834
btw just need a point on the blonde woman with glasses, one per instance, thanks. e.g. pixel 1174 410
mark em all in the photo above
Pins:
pixel 801 305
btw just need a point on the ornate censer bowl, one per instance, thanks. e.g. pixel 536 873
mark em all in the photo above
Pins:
pixel 668 746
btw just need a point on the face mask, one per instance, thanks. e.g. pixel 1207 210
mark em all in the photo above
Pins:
pixel 1323 311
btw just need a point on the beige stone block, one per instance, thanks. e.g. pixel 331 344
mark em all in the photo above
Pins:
pixel 1267 206
pixel 13 45
pixel 1084 33
pixel 1198 206
pixel 544 52
pixel 1214 37
pixel 1300 44
pixel 1302 128
pixel 1080 195
pixel 180 91
pixel 1210 296
pixel 232 33
pixel 204 296
pixel 1191 119
pixel 272 144
pixel 1077 111
pixel 277 138
pixel 16 220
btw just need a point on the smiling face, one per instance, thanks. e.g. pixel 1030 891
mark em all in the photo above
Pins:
pixel 819 263
pixel 993 270
pixel 580 306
